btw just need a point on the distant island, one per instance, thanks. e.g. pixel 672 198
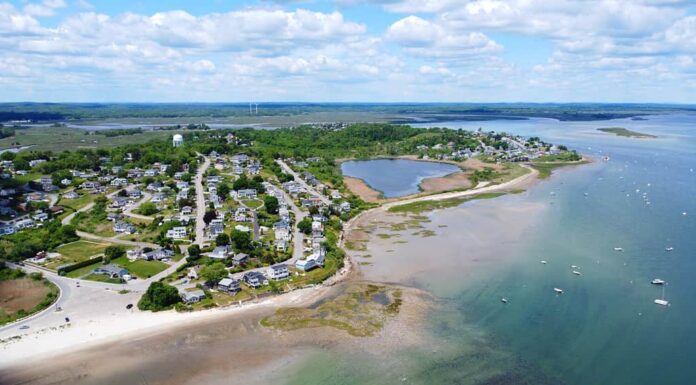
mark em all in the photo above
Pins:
pixel 620 131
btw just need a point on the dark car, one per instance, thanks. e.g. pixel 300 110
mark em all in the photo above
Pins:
pixel 129 306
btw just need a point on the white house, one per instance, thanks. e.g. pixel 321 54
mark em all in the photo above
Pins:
pixel 177 233
pixel 278 271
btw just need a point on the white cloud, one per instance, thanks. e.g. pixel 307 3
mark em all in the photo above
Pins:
pixel 427 39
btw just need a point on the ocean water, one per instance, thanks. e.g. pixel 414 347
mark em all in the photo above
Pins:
pixel 604 328
pixel 395 177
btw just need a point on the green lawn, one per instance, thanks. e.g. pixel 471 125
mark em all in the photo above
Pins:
pixel 78 203
pixel 252 203
pixel 76 252
pixel 79 273
pixel 140 268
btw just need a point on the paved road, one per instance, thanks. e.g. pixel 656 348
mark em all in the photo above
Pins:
pixel 200 201
pixel 304 184
pixel 129 211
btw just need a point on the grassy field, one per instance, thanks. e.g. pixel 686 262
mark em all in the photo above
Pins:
pixel 102 278
pixel 76 252
pixel 546 169
pixel 59 139
pixel 423 206
pixel 78 203
pixel 252 203
pixel 139 268
pixel 24 296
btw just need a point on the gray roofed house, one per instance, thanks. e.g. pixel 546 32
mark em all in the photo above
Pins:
pixel 240 259
pixel 192 296
pixel 113 271
pixel 229 285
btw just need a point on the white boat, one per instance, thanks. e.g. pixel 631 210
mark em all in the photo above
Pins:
pixel 618 249
pixel 542 262
pixel 657 281
pixel 504 300
pixel 662 301
pixel 577 272
pixel 557 290
pixel 573 266
pixel 670 248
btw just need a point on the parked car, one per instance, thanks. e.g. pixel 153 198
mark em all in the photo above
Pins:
pixel 24 327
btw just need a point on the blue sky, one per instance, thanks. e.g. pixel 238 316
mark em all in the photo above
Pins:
pixel 348 50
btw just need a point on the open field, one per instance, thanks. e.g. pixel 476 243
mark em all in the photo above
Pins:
pixel 76 252
pixel 252 203
pixel 62 138
pixel 24 296
pixel 140 268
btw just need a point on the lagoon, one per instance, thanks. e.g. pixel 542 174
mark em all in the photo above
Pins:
pixel 395 177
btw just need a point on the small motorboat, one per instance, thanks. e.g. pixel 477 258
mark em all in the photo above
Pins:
pixel 542 262
pixel 573 266
pixel 657 281
pixel 557 290
pixel 618 249
pixel 504 300
pixel 670 248
pixel 662 302
pixel 577 272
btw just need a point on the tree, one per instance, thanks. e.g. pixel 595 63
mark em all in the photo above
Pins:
pixel 159 296
pixel 222 239
pixel 271 204
pixel 209 216
pixel 123 193
pixel 148 208
pixel 223 190
pixel 241 240
pixel 305 225
pixel 194 252
pixel 113 252
pixel 214 272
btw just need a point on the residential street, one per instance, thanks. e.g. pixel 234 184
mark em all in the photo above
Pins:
pixel 200 201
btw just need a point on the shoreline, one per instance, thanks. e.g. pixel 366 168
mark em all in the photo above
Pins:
pixel 81 336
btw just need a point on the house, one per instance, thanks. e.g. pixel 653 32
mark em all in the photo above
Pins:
pixel 40 217
pixel 177 233
pixel 344 207
pixel 111 270
pixel 7 230
pixel 124 227
pixel 55 210
pixel 229 285
pixel 158 255
pixel 305 264
pixel 186 210
pixel 71 195
pixel 155 186
pixel 278 271
pixel 150 172
pixel 220 252
pixel 182 184
pixel 113 217
pixel 8 192
pixel 65 182
pixel 159 197
pixel 246 193
pixel 193 272
pixel 46 179
pixel 119 182
pixel 281 245
pixel 135 194
pixel 192 296
pixel 24 223
pixel 134 254
pixel 335 194
pixel 216 227
pixel 255 279
pixel 283 233
pixel 240 259
pixel 119 202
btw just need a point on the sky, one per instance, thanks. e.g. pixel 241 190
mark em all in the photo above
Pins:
pixel 348 51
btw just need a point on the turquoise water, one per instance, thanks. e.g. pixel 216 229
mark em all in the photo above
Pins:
pixel 395 177
pixel 604 328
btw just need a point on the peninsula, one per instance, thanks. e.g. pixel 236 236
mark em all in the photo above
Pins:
pixel 620 131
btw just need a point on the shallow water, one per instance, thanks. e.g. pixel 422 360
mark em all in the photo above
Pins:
pixel 395 177
pixel 604 328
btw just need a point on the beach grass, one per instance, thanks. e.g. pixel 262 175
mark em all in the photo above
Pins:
pixel 429 205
